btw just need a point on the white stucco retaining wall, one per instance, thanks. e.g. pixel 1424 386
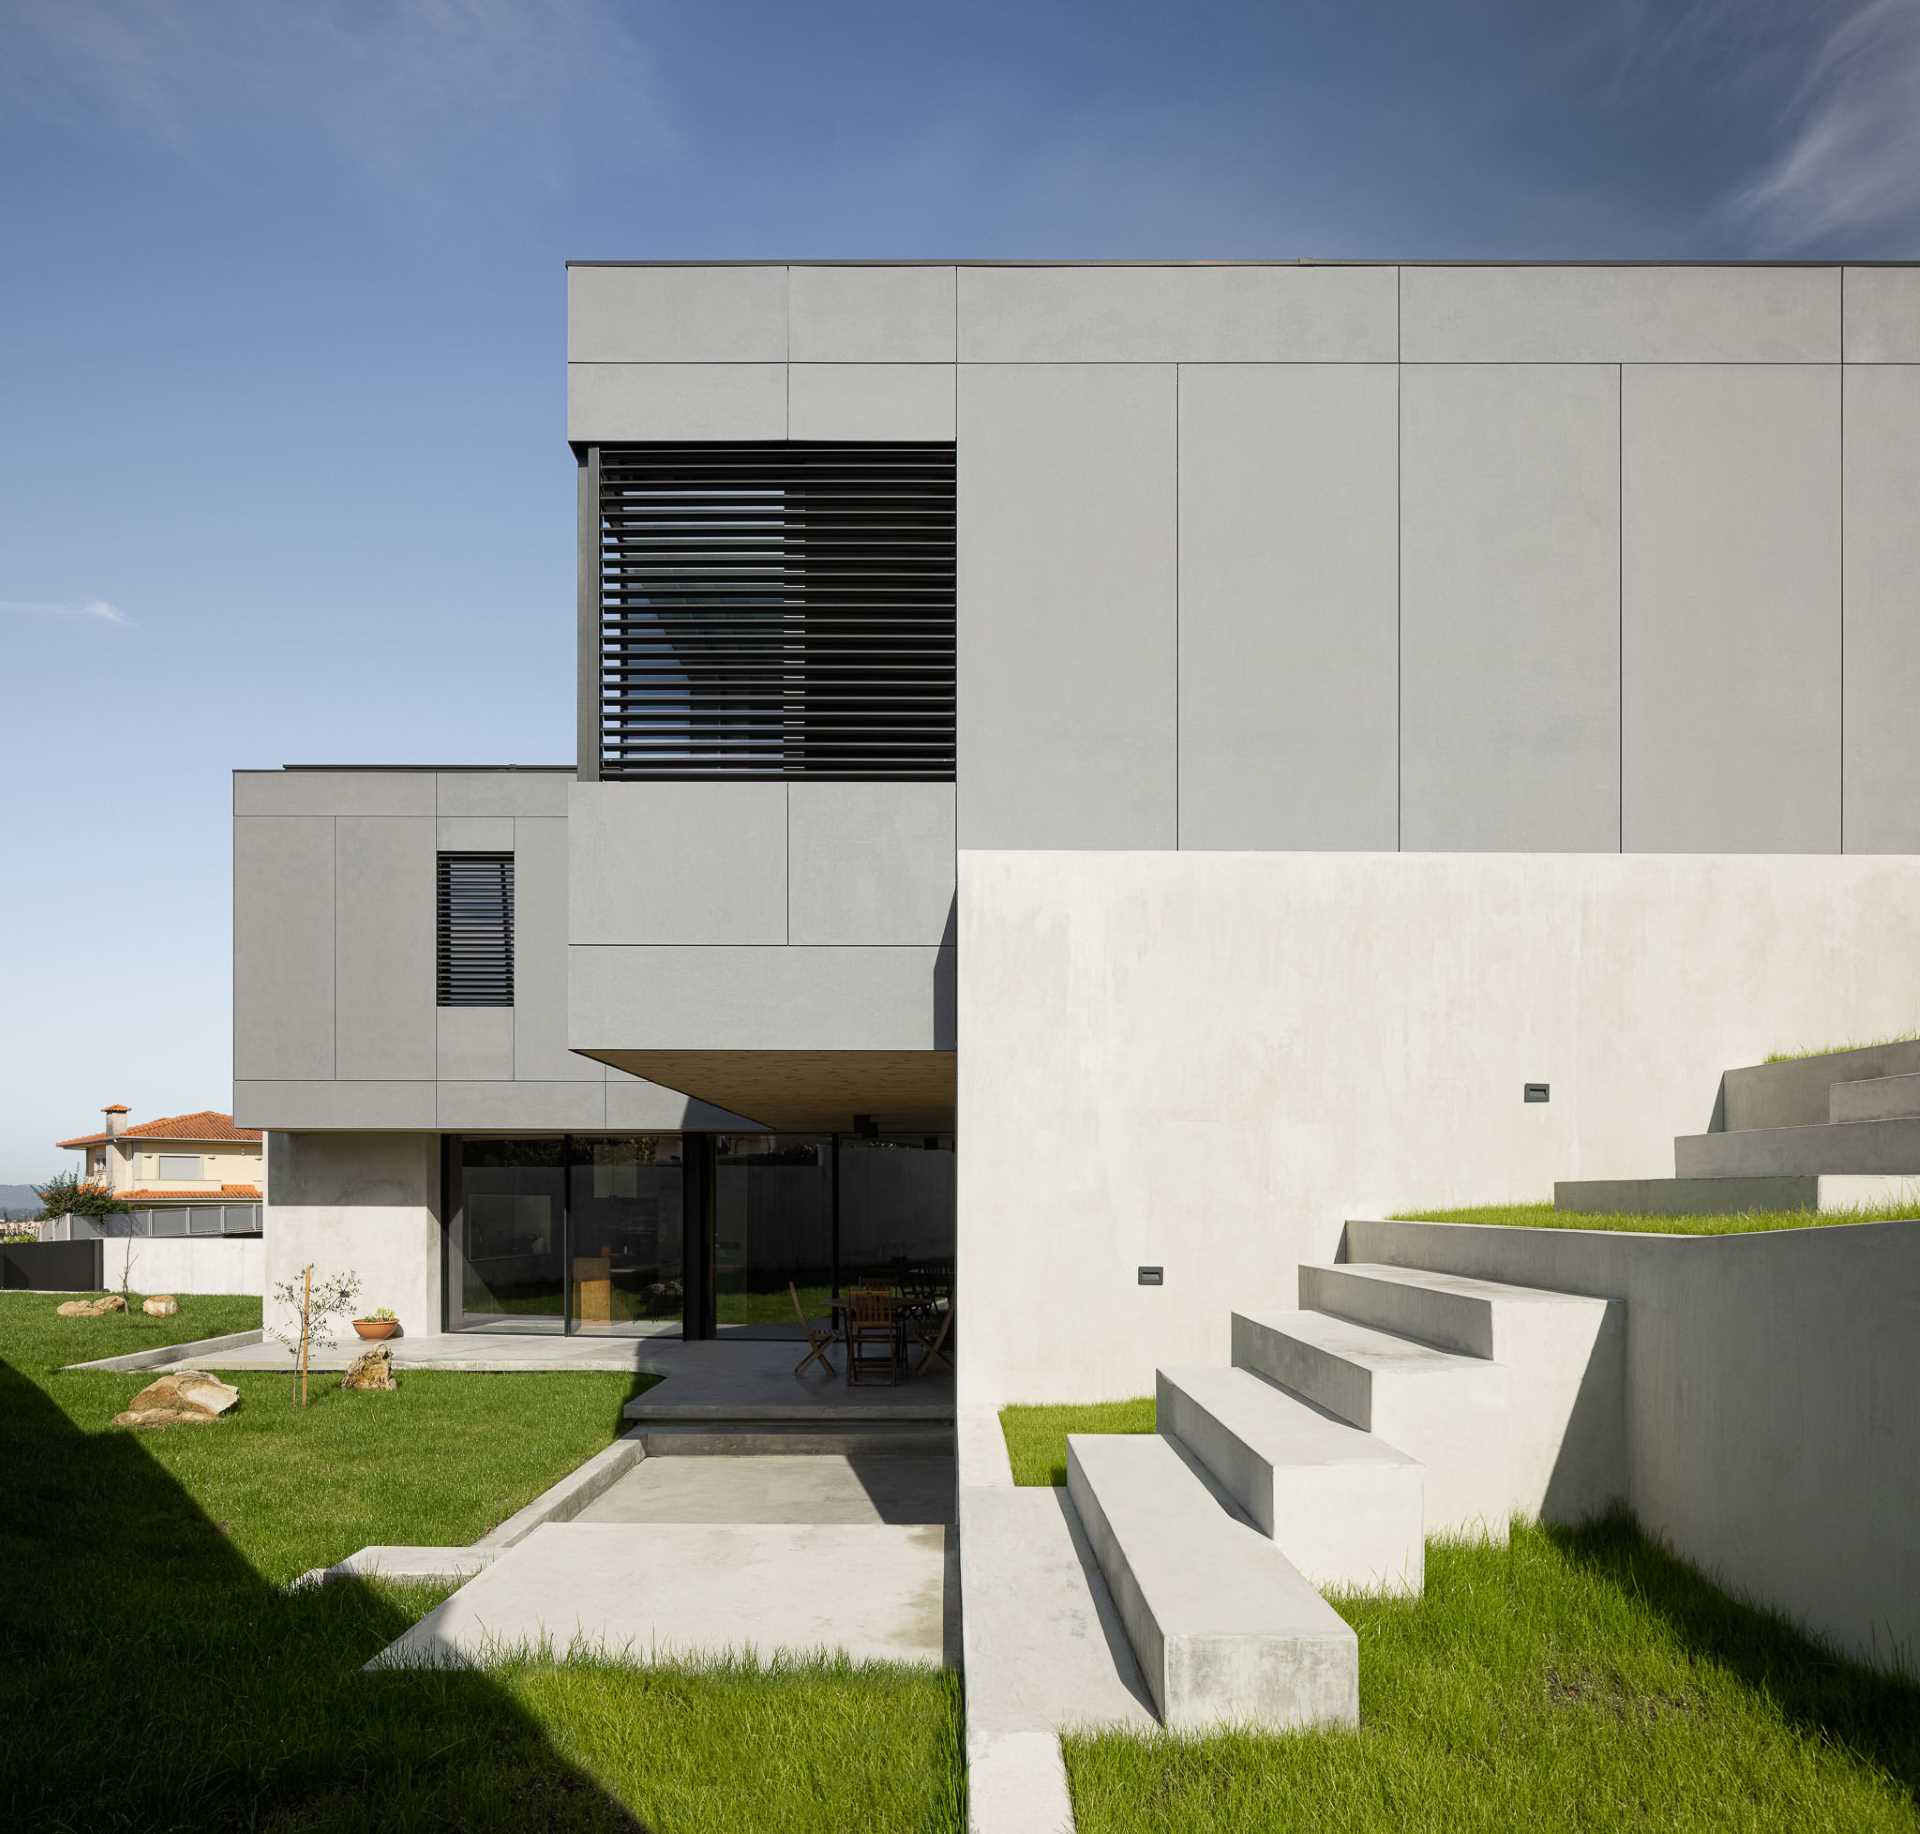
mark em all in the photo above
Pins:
pixel 1207 1061
pixel 368 1203
pixel 1772 1435
pixel 185 1264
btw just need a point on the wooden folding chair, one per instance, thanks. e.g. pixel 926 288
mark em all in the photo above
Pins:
pixel 819 1336
pixel 873 1338
pixel 935 1342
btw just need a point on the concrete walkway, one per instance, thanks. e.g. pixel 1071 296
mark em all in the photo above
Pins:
pixel 664 1591
pixel 888 1489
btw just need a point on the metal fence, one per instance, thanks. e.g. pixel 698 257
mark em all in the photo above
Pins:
pixel 161 1220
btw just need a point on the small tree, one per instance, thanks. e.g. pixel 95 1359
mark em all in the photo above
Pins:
pixel 70 1195
pixel 307 1313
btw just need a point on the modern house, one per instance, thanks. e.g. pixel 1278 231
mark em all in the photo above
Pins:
pixel 183 1174
pixel 1226 747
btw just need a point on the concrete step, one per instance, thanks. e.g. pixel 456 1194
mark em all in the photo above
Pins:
pixel 1227 1631
pixel 1448 1411
pixel 1685 1196
pixel 751 1439
pixel 1343 1506
pixel 1880 1148
pixel 1875 1098
pixel 1794 1093
pixel 1565 1357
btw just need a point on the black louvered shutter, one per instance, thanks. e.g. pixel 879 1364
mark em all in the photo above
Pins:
pixel 474 929
pixel 776 610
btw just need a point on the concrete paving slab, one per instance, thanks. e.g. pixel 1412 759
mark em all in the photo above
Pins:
pixel 421 1563
pixel 781 1488
pixel 686 1591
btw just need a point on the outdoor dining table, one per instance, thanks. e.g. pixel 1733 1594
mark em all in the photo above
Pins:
pixel 903 1311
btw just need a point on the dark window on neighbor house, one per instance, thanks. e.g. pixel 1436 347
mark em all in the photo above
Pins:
pixel 776 610
pixel 474 929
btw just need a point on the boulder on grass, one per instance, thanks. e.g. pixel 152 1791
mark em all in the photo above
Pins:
pixel 371 1369
pixel 91 1308
pixel 161 1305
pixel 184 1397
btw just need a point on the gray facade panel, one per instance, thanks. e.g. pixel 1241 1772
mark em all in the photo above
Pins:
pixel 676 314
pixel 1882 771
pixel 283 973
pixel 879 401
pixel 1731 609
pixel 869 862
pixel 1067 645
pixel 503 1107
pixel 1883 315
pixel 1619 315
pixel 1196 314
pixel 870 315
pixel 619 401
pixel 474 834
pixel 678 863
pixel 476 1044
pixel 296 1106
pixel 1510 608
pixel 769 999
pixel 333 793
pixel 485 793
pixel 384 947
pixel 1288 577
pixel 540 1051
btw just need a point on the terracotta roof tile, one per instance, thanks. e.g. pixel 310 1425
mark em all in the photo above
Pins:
pixel 202 1124
pixel 227 1192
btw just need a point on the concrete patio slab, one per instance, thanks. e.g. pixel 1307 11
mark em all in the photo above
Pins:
pixel 414 1563
pixel 786 1488
pixel 665 1591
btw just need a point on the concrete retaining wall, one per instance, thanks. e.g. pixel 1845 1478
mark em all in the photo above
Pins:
pixel 186 1264
pixel 1772 1432
pixel 1205 1061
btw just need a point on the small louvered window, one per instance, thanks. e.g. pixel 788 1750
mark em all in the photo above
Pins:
pixel 474 931
pixel 777 610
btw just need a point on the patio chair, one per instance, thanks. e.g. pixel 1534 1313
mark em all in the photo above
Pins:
pixel 873 1339
pixel 819 1336
pixel 935 1335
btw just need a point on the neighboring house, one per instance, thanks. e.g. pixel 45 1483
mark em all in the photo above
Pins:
pixel 1245 744
pixel 183 1174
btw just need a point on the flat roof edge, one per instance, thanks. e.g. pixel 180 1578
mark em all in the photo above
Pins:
pixel 1596 261
pixel 442 769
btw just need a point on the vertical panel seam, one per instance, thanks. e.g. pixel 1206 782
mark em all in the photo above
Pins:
pixel 1176 608
pixel 1620 601
pixel 333 831
pixel 1399 567
pixel 1841 485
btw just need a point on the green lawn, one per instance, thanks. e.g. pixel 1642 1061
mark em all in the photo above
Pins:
pixel 1831 1050
pixel 1742 1222
pixel 1037 1436
pixel 158 1675
pixel 1571 1681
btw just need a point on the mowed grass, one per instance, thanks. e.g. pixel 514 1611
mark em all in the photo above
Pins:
pixel 160 1676
pixel 1833 1050
pixel 1037 1436
pixel 1742 1222
pixel 1574 1680
pixel 37 1337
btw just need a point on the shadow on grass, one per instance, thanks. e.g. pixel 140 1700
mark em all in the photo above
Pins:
pixel 1867 1711
pixel 154 1680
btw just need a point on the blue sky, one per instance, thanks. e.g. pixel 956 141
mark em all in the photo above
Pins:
pixel 282 462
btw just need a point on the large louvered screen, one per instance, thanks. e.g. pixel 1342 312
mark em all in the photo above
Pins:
pixel 777 610
pixel 474 929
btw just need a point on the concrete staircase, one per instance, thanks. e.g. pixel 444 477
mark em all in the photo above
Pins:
pixel 1390 1405
pixel 1816 1133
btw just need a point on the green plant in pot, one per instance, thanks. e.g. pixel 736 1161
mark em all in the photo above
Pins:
pixel 380 1322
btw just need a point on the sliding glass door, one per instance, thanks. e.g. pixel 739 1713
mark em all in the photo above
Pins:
pixel 507 1251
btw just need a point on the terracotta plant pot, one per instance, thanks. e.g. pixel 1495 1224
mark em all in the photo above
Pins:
pixel 375 1328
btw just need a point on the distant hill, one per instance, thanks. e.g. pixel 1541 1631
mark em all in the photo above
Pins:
pixel 15 1198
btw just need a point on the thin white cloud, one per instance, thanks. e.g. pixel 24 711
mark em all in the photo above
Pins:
pixel 90 611
pixel 410 92
pixel 1850 165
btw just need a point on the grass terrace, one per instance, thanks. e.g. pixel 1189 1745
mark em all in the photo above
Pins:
pixel 1833 1050
pixel 160 1675
pixel 1741 1222
pixel 1573 1681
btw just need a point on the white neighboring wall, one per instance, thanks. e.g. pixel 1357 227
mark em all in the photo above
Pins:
pixel 184 1264
pixel 362 1202
pixel 1207 1061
